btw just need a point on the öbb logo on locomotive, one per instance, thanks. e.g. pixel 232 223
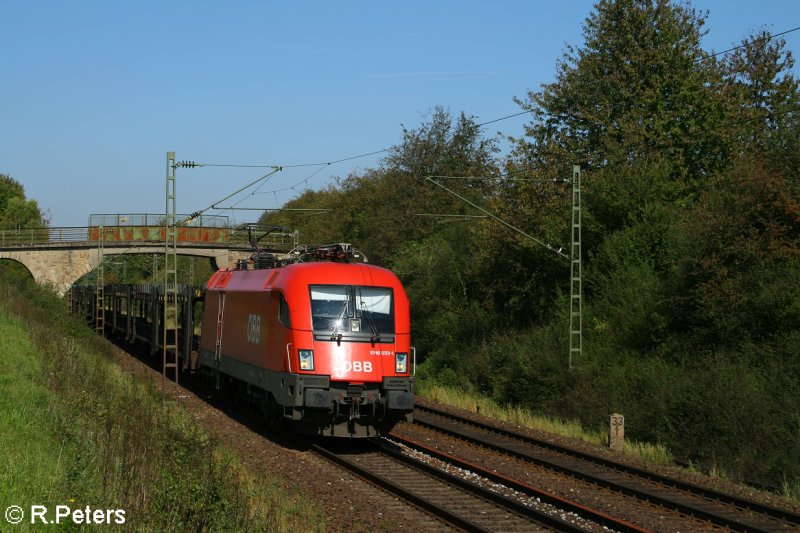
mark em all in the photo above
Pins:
pixel 254 328
pixel 343 367
pixel 317 339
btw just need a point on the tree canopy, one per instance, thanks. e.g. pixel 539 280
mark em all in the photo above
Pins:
pixel 15 210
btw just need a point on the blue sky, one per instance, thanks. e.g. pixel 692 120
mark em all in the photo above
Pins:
pixel 94 93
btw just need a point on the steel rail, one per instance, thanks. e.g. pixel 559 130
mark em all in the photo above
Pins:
pixel 583 511
pixel 435 509
pixel 696 490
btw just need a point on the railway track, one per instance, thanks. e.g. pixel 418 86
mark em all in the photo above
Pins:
pixel 455 500
pixel 720 509
pixel 448 499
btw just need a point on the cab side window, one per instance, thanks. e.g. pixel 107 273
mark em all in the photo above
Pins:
pixel 283 311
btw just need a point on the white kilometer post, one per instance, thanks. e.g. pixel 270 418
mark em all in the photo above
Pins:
pixel 616 432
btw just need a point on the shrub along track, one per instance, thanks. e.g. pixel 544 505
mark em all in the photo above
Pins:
pixel 652 500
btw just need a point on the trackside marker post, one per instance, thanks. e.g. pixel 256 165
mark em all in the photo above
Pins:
pixel 616 432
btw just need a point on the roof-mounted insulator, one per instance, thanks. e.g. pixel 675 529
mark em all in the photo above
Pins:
pixel 340 253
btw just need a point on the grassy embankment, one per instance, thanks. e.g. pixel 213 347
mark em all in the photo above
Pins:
pixel 77 431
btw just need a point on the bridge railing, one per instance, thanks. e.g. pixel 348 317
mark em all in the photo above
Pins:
pixel 214 236
pixel 34 236
pixel 185 234
pixel 16 237
pixel 155 219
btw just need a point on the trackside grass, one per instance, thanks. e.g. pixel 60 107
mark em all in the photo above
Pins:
pixel 76 431
pixel 654 453
pixel 30 463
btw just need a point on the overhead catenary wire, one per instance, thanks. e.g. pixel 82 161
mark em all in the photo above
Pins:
pixel 321 166
pixel 326 164
pixel 765 39
pixel 504 177
pixel 451 218
pixel 275 170
pixel 298 165
pixel 223 209
pixel 504 118
pixel 292 188
pixel 447 216
pixel 555 249
pixel 280 209
pixel 342 160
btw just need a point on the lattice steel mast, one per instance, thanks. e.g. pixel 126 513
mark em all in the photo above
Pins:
pixel 575 289
pixel 100 298
pixel 170 326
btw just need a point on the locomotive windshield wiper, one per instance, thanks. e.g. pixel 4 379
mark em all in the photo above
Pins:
pixel 364 311
pixel 335 335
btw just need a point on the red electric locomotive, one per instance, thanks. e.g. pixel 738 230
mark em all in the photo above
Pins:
pixel 323 344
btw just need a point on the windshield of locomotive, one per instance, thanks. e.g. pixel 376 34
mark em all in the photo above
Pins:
pixel 352 310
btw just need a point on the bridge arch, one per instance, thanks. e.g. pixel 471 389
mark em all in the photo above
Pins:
pixel 18 264
pixel 61 267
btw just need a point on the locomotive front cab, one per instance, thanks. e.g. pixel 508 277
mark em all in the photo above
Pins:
pixel 356 315
pixel 323 346
pixel 354 339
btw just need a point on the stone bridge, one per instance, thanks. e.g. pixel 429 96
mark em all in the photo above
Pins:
pixel 61 256
pixel 63 266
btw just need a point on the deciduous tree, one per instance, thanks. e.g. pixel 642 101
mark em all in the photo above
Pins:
pixel 634 106
pixel 15 210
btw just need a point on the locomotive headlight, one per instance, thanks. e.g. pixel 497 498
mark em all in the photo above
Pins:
pixel 306 359
pixel 401 363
